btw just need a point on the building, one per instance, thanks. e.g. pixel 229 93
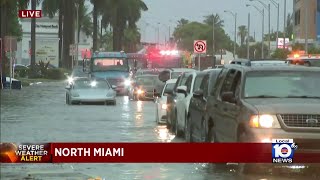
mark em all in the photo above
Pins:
pixel 47 41
pixel 306 19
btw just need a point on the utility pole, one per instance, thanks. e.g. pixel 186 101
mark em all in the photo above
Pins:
pixel 269 38
pixel 213 47
pixel 248 36
pixel 77 29
pixel 306 9
pixel 284 24
pixel 262 45
pixel 235 36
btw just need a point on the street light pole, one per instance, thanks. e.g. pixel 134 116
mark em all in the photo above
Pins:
pixel 269 50
pixel 284 24
pixel 268 8
pixel 262 45
pixel 306 25
pixel 77 29
pixel 262 13
pixel 248 46
pixel 277 6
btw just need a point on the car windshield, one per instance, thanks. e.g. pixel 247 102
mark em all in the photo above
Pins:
pixel 114 64
pixel 146 81
pixel 282 84
pixel 90 84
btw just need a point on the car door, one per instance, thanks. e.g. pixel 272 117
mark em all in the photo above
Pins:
pixel 171 103
pixel 198 108
pixel 225 118
pixel 180 101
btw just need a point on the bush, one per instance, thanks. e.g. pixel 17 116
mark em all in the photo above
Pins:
pixel 56 74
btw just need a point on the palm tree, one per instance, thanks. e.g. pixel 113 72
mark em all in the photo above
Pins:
pixel 182 22
pixel 218 22
pixel 242 33
pixel 120 15
pixel 98 7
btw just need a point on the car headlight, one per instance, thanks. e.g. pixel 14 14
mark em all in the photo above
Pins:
pixel 127 82
pixel 75 94
pixel 264 121
pixel 164 106
pixel 70 80
pixel 140 91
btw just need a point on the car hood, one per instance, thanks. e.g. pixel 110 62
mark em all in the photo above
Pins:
pixel 111 74
pixel 285 105
pixel 93 92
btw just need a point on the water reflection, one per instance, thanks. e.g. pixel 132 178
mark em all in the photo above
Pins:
pixel 139 115
pixel 163 134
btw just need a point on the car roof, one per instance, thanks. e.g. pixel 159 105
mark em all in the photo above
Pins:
pixel 147 75
pixel 274 68
pixel 171 81
pixel 180 69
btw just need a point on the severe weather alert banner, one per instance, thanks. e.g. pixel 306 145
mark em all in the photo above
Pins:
pixel 154 153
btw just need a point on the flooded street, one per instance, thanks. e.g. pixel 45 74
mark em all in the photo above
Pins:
pixel 38 113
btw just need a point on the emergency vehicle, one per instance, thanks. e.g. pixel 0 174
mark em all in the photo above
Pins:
pixel 300 58
pixel 155 57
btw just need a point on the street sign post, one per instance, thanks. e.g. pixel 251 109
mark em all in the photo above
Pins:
pixel 200 47
pixel 72 52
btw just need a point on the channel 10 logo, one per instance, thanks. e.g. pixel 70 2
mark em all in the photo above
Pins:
pixel 283 150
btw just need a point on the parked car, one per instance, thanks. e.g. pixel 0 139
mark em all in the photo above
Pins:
pixel 171 103
pixel 84 90
pixel 184 94
pixel 261 103
pixel 173 73
pixel 197 126
pixel 144 86
pixel 161 101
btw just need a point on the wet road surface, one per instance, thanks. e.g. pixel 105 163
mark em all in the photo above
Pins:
pixel 38 113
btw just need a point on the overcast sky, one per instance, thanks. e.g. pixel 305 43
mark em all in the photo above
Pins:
pixel 167 12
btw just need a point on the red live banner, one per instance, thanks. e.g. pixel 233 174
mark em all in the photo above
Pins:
pixel 149 153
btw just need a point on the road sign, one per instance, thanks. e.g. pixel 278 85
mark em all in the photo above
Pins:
pixel 72 50
pixel 200 46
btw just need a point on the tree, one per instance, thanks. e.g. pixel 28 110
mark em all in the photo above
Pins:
pixel 186 34
pixel 131 39
pixel 68 31
pixel 218 22
pixel 9 25
pixel 242 33
pixel 182 22
pixel 120 15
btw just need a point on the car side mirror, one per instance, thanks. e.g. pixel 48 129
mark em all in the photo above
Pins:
pixel 198 94
pixel 68 87
pixel 228 97
pixel 113 86
pixel 182 89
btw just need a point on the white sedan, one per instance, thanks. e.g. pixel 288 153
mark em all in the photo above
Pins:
pixel 161 102
pixel 84 90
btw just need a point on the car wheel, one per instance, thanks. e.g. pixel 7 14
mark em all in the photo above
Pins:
pixel 67 99
pixel 210 136
pixel 157 115
pixel 177 131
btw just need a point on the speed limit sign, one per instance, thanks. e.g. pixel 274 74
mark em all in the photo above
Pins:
pixel 200 46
